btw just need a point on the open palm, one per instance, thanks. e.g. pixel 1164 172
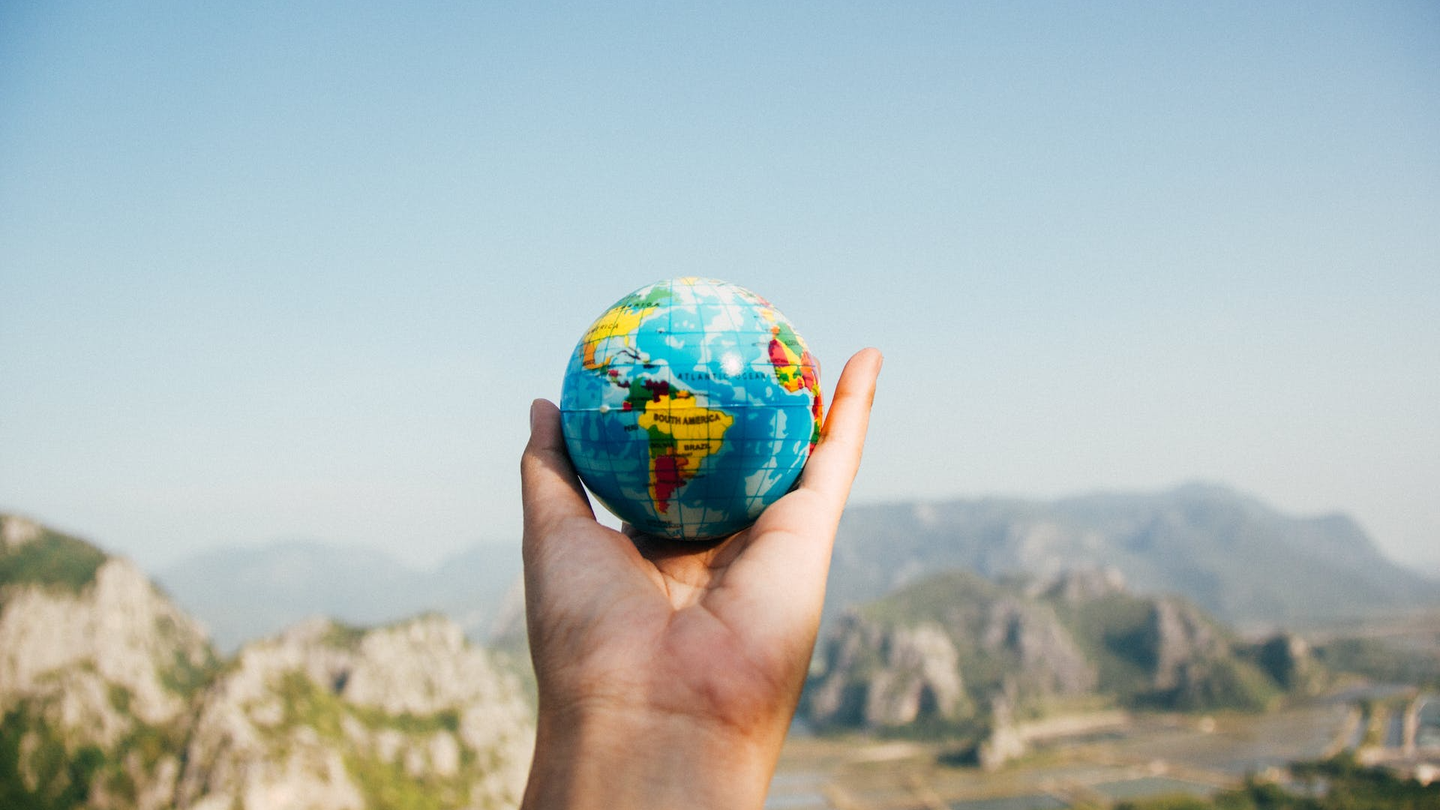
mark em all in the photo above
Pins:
pixel 717 634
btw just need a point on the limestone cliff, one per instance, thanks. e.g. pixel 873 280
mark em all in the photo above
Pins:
pixel 328 716
pixel 98 671
pixel 961 654
pixel 111 697
pixel 937 651
pixel 887 677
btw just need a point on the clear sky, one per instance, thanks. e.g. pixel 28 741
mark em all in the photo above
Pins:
pixel 284 270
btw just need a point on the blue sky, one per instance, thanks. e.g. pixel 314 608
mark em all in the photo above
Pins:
pixel 271 272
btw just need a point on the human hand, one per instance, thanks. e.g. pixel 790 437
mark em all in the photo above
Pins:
pixel 669 671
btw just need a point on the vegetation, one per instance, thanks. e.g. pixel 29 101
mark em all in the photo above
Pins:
pixel 1116 633
pixel 383 783
pixel 307 704
pixel 1382 660
pixel 52 559
pixel 343 636
pixel 40 771
pixel 408 723
pixel 36 771
pixel 944 597
pixel 185 677
pixel 120 698
pixel 1334 784
pixel 1229 683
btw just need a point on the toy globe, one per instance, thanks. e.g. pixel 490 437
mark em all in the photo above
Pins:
pixel 689 406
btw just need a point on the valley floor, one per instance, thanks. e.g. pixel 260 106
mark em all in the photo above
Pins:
pixel 1132 758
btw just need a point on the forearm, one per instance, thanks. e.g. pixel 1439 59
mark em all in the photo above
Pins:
pixel 635 761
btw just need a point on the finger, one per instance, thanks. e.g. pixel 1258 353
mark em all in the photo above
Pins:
pixel 835 460
pixel 550 491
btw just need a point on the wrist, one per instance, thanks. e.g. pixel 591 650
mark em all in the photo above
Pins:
pixel 632 757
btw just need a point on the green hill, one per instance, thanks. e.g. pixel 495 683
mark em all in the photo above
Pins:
pixel 955 653
pixel 47 558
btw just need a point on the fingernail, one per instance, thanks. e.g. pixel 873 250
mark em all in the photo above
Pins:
pixel 534 414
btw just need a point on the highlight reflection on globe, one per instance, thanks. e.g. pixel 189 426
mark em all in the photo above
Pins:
pixel 689 406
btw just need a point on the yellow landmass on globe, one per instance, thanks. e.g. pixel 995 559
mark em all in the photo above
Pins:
pixel 682 434
pixel 787 366
pixel 620 321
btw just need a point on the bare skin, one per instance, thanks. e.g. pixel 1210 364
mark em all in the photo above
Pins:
pixel 669 671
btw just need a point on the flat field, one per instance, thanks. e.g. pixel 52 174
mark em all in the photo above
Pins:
pixel 1139 756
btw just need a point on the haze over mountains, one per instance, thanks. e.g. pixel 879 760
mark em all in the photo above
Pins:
pixel 1228 552
pixel 252 592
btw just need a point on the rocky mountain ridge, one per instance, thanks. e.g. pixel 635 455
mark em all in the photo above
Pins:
pixel 111 697
pixel 964 656
pixel 1226 552
pixel 330 716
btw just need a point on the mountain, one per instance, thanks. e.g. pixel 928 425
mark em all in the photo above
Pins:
pixel 111 697
pixel 329 716
pixel 966 656
pixel 1228 553
pixel 244 593
pixel 99 674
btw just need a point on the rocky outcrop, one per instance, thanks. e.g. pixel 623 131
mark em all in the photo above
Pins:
pixel 110 697
pixel 16 531
pixel 892 668
pixel 1290 662
pixel 920 678
pixel 1193 665
pixel 326 716
pixel 1002 741
pixel 116 634
pixel 1082 585
pixel 1049 660
pixel 888 677
pixel 1180 641
pixel 97 670
pixel 976 657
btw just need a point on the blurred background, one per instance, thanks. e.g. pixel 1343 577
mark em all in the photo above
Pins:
pixel 1158 288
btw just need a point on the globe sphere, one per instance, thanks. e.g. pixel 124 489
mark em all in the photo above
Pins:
pixel 690 406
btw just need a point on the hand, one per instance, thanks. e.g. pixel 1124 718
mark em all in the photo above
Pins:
pixel 669 671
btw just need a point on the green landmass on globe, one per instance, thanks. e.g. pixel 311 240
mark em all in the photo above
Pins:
pixel 689 406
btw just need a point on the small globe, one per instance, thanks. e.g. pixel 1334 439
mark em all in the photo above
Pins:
pixel 689 406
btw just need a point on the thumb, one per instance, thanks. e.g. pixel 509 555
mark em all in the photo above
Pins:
pixel 549 488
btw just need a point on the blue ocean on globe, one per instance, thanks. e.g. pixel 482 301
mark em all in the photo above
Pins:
pixel 689 406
